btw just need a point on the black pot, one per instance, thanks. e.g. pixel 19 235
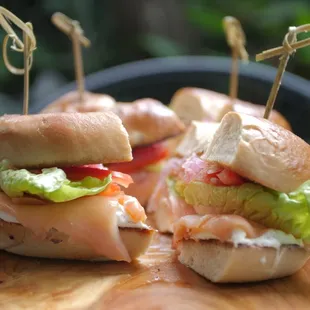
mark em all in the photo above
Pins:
pixel 160 77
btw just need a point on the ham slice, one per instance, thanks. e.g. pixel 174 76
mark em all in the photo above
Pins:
pixel 164 197
pixel 220 227
pixel 89 220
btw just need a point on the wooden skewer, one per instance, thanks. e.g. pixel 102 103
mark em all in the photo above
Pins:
pixel 27 46
pixel 73 30
pixel 236 40
pixel 27 64
pixel 289 47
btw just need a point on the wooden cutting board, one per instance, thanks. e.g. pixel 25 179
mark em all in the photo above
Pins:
pixel 155 281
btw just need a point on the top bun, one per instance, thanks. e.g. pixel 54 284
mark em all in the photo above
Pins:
pixel 197 138
pixel 258 111
pixel 146 120
pixel 261 151
pixel 196 104
pixel 63 139
pixel 70 103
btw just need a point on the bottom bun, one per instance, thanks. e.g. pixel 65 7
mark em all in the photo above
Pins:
pixel 224 263
pixel 143 186
pixel 17 239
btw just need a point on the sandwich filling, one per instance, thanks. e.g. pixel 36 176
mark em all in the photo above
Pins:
pixel 144 169
pixel 230 228
pixel 145 158
pixel 85 202
pixel 209 188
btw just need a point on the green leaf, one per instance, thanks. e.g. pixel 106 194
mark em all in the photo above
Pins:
pixel 287 212
pixel 52 184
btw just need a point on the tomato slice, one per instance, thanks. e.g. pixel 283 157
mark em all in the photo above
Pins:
pixel 230 178
pixel 142 157
pixel 78 173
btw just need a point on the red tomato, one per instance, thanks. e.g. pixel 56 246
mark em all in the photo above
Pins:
pixel 228 177
pixel 80 172
pixel 142 157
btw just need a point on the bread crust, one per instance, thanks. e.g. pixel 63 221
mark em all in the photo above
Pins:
pixel 70 103
pixel 62 139
pixel 261 151
pixel 197 138
pixel 146 120
pixel 17 239
pixel 223 263
pixel 258 111
pixel 200 105
pixel 203 104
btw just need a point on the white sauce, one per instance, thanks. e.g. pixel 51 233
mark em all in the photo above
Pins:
pixel 272 238
pixel 123 218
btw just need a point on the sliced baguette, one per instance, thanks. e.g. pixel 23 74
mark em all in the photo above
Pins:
pixel 63 139
pixel 223 263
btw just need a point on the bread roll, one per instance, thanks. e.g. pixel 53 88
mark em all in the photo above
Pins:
pixel 206 105
pixel 70 102
pixel 200 105
pixel 146 120
pixel 260 151
pixel 197 138
pixel 258 111
pixel 63 139
pixel 222 262
pixel 17 239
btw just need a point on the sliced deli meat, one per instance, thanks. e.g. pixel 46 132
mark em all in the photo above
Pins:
pixel 97 227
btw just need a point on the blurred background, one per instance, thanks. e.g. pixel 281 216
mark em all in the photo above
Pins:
pixel 129 30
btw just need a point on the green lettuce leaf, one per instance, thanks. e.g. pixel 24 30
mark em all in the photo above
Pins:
pixel 287 212
pixel 52 184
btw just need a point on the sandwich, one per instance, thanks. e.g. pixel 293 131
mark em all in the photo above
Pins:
pixel 150 126
pixel 57 199
pixel 250 190
pixel 165 204
pixel 205 105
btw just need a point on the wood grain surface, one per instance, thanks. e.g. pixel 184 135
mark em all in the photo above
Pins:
pixel 155 281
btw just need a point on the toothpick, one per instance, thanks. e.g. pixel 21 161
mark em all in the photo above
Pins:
pixel 27 54
pixel 236 40
pixel 27 46
pixel 289 47
pixel 74 31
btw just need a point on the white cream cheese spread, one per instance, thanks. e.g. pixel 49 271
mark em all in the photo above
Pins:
pixel 272 238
